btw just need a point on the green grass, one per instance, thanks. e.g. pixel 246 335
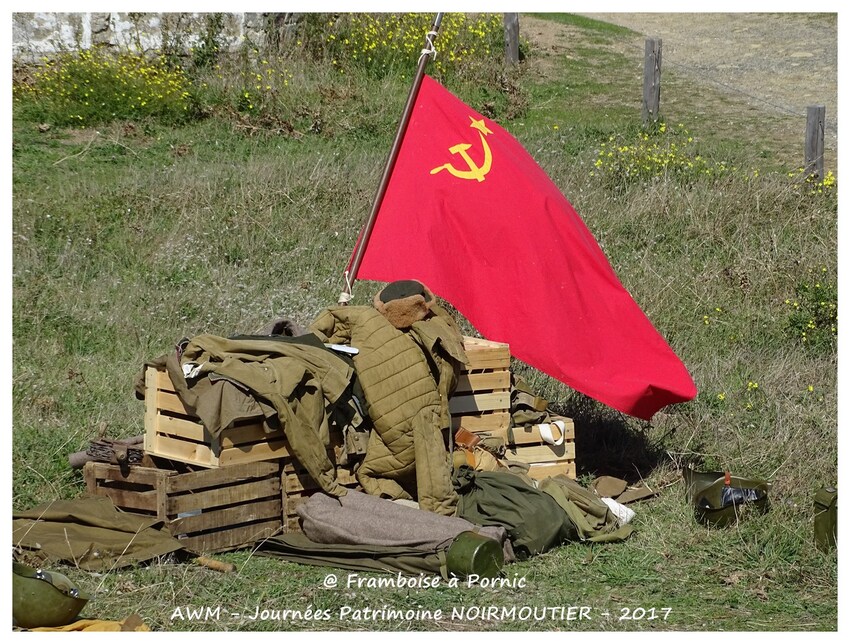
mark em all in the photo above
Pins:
pixel 132 235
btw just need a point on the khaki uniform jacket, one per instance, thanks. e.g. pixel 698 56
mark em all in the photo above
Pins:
pixel 299 381
pixel 407 377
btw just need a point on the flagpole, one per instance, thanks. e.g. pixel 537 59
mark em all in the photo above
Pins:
pixel 363 240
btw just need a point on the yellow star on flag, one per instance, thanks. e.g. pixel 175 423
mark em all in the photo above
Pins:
pixel 480 126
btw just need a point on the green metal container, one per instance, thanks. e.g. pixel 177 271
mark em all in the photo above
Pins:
pixel 826 518
pixel 473 554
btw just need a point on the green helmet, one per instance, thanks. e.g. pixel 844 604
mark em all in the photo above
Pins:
pixel 718 497
pixel 42 598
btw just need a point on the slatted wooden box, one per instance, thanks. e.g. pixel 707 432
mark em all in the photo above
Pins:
pixel 482 404
pixel 543 458
pixel 211 510
pixel 482 398
pixel 525 444
pixel 173 432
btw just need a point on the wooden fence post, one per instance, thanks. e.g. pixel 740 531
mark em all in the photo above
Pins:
pixel 512 37
pixel 651 80
pixel 815 116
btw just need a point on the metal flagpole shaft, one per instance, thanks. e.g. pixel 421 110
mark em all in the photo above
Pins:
pixel 351 273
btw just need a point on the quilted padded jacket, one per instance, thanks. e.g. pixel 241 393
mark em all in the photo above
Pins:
pixel 407 377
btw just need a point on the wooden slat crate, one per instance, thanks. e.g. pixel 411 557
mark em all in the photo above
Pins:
pixel 481 401
pixel 482 404
pixel 211 510
pixel 482 398
pixel 544 459
pixel 529 447
pixel 173 432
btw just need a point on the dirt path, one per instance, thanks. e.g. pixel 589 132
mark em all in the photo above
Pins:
pixel 776 63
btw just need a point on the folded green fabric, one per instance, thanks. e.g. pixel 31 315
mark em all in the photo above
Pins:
pixel 534 520
pixel 90 533
pixel 298 548
pixel 537 519
pixel 592 519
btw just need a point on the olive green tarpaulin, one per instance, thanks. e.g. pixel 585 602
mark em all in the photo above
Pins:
pixel 90 533
pixel 298 548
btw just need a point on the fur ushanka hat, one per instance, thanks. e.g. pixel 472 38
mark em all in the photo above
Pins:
pixel 404 302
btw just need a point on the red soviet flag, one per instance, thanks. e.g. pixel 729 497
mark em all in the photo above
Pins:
pixel 469 213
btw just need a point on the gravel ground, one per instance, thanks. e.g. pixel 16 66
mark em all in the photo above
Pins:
pixel 778 62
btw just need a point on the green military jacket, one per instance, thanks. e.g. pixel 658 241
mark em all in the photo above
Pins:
pixel 299 381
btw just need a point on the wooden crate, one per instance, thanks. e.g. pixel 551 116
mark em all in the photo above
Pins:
pixel 481 401
pixel 482 398
pixel 211 510
pixel 173 432
pixel 529 447
pixel 482 404
pixel 544 459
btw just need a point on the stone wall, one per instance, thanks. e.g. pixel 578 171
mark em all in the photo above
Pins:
pixel 35 35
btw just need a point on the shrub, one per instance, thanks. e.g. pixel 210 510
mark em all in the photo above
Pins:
pixel 813 316
pixel 207 51
pixel 247 82
pixel 658 152
pixel 809 183
pixel 392 43
pixel 98 86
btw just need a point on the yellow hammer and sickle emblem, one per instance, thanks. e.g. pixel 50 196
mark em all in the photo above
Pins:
pixel 474 171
